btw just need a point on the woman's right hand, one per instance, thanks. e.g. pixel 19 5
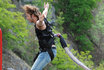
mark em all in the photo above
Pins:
pixel 41 17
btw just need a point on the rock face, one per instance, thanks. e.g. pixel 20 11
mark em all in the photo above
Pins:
pixel 12 62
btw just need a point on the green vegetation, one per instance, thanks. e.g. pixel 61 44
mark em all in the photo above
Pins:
pixel 63 62
pixel 77 20
pixel 14 29
pixel 13 25
pixel 73 16
pixel 97 30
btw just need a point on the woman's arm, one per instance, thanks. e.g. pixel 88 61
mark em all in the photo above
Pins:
pixel 40 22
pixel 46 6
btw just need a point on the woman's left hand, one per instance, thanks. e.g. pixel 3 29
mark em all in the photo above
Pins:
pixel 46 5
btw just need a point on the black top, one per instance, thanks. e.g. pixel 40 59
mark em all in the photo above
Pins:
pixel 45 37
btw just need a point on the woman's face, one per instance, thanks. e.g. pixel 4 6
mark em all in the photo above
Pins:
pixel 31 18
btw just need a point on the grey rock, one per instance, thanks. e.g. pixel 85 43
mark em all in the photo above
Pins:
pixel 12 62
pixel 10 69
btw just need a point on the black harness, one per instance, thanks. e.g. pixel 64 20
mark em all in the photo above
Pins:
pixel 46 39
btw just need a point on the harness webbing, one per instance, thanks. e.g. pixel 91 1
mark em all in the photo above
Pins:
pixel 46 39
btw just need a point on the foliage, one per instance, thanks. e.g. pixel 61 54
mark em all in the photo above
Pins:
pixel 77 19
pixel 19 36
pixel 40 3
pixel 59 22
pixel 14 28
pixel 13 25
pixel 100 67
pixel 97 30
pixel 63 62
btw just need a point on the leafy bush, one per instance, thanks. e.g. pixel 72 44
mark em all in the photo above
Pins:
pixel 63 62
pixel 77 20
pixel 13 25
pixel 97 30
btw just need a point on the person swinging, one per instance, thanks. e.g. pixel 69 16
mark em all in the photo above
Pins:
pixel 44 34
pixel 46 38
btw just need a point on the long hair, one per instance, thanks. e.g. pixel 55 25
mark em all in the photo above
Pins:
pixel 31 10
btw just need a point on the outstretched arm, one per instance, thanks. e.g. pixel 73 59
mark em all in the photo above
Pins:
pixel 46 6
pixel 62 41
pixel 40 22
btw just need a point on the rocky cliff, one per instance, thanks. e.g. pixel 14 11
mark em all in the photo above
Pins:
pixel 12 62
